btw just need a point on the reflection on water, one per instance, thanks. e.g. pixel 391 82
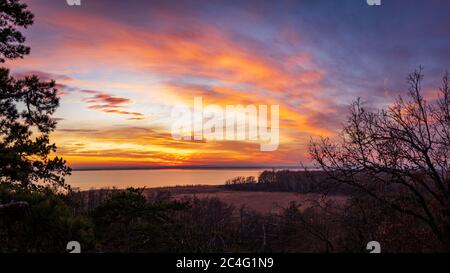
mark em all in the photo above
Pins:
pixel 154 178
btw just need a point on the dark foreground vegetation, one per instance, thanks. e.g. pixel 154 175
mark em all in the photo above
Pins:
pixel 393 165
pixel 133 221
pixel 128 221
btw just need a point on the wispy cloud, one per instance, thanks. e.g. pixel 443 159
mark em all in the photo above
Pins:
pixel 108 103
pixel 62 82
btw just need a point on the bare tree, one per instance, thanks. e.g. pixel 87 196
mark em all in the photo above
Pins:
pixel 399 156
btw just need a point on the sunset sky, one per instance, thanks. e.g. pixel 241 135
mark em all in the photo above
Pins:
pixel 122 65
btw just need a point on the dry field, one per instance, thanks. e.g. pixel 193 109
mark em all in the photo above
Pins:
pixel 262 202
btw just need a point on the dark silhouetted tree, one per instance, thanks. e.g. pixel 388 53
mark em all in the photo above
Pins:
pixel 26 109
pixel 398 156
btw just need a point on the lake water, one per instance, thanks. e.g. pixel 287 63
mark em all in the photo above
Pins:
pixel 85 180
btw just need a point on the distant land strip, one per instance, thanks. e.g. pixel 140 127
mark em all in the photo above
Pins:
pixel 187 167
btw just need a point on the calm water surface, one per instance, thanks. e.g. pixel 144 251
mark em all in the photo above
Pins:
pixel 154 178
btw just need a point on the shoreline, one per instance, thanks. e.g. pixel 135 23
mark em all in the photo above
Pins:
pixel 195 168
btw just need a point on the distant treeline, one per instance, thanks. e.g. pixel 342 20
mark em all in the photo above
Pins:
pixel 288 181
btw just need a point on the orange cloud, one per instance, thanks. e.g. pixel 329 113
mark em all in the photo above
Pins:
pixel 140 146
pixel 209 53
